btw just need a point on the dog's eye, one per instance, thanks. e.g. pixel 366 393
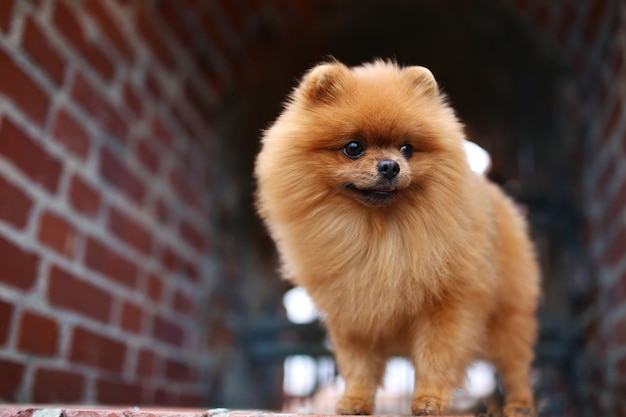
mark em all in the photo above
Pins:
pixel 354 149
pixel 407 150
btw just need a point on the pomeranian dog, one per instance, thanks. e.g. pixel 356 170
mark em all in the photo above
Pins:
pixel 365 188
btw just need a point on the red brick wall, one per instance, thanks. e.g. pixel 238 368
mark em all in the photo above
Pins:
pixel 116 274
pixel 115 269
pixel 606 208
pixel 590 37
pixel 107 253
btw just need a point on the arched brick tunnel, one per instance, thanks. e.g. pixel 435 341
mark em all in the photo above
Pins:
pixel 130 254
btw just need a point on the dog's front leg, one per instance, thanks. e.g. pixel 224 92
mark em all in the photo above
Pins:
pixel 445 343
pixel 362 368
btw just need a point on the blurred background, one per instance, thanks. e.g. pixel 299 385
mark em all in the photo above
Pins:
pixel 133 269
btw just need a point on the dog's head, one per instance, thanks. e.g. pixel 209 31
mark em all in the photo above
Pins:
pixel 372 132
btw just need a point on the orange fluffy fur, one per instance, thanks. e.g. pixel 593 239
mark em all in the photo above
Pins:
pixel 432 262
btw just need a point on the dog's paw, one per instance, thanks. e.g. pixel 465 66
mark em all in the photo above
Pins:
pixel 354 406
pixel 424 406
pixel 517 411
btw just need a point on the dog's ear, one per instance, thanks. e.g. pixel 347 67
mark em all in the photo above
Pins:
pixel 323 82
pixel 423 79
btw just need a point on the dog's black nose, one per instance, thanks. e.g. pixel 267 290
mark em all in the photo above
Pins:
pixel 388 169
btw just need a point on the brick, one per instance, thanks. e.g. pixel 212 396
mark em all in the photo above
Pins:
pixel 184 186
pixel 161 210
pixel 12 374
pixel 615 250
pixel 68 292
pixel 67 22
pixel 132 100
pixel 84 198
pixel 201 104
pixel 6 315
pixel 155 287
pixel 147 156
pixel 165 397
pixel 147 364
pixel 102 259
pixel 110 28
pixel 180 116
pixel 162 133
pixel 168 332
pixel 172 19
pixel 171 259
pixel 615 294
pixel 185 304
pixel 119 175
pixel 18 267
pixel 99 61
pixel 47 57
pixel 130 231
pixel 97 350
pixel 58 234
pixel 19 87
pixel 616 112
pixel 211 76
pixel 594 20
pixel 606 175
pixel 6 12
pixel 192 272
pixel 56 386
pixel 179 371
pixel 190 400
pixel 151 35
pixel 33 160
pixel 615 208
pixel 118 392
pixel 153 87
pixel 39 334
pixel 131 317
pixel 193 236
pixel 15 205
pixel 71 134
pixel 212 32
pixel 94 102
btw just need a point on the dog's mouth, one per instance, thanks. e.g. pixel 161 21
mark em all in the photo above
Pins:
pixel 375 195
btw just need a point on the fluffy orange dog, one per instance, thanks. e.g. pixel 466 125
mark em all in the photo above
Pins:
pixel 364 186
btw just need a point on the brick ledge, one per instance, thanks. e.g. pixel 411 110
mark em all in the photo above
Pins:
pixel 99 411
